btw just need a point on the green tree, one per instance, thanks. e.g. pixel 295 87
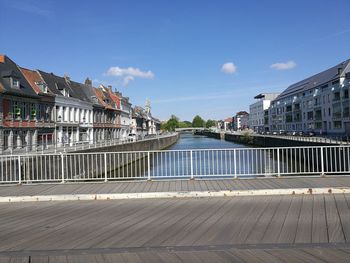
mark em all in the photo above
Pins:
pixel 171 124
pixel 198 122
pixel 211 123
pixel 185 124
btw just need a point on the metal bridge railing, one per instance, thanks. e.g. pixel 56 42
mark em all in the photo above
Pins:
pixel 195 164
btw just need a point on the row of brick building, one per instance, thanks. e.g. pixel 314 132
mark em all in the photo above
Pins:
pixel 38 107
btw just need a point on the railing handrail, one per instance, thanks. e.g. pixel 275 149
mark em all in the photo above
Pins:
pixel 182 150
pixel 73 147
pixel 182 163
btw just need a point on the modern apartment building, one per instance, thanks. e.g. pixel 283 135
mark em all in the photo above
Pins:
pixel 257 110
pixel 319 104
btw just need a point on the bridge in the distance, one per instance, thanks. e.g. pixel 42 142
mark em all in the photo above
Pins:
pixel 189 129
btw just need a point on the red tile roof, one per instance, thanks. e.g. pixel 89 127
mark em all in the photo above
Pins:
pixel 32 77
pixel 115 98
pixel 101 98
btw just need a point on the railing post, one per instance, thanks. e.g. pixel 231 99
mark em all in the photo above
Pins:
pixel 278 163
pixel 62 166
pixel 106 172
pixel 19 170
pixel 234 163
pixel 322 162
pixel 148 166
pixel 191 156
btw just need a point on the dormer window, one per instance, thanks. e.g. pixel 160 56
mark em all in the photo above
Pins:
pixel 42 86
pixel 65 93
pixel 15 83
pixel 94 99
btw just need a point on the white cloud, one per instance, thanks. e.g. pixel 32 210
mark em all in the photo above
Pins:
pixel 229 68
pixel 284 66
pixel 129 74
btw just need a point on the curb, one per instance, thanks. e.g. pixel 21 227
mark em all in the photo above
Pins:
pixel 192 194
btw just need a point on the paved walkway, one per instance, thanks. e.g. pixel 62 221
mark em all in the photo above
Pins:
pixel 291 228
pixel 179 188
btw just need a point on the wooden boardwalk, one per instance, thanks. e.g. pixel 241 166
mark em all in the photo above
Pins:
pixel 174 186
pixel 299 228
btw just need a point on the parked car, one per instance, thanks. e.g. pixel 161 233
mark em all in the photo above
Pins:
pixel 310 134
pixel 132 137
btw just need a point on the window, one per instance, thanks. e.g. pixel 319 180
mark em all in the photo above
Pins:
pixel 310 115
pixel 42 86
pixel 346 94
pixel 336 96
pixel 318 125
pixel 337 124
pixel 15 83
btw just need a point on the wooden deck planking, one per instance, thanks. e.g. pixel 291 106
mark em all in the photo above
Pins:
pixel 289 228
pixel 275 226
pixel 319 224
pixel 122 220
pixel 304 230
pixel 258 230
pixel 174 185
pixel 334 227
pixel 329 255
pixel 77 217
pixel 180 222
pixel 247 224
pixel 344 214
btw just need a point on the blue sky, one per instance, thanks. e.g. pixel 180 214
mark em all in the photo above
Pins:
pixel 173 52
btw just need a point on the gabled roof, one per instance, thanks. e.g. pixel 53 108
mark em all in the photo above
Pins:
pixel 78 89
pixel 114 97
pixel 103 97
pixel 90 93
pixel 8 68
pixel 242 113
pixel 317 80
pixel 33 77
pixel 56 84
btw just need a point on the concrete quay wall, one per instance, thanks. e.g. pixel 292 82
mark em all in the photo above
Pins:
pixel 269 141
pixel 152 144
pixel 260 140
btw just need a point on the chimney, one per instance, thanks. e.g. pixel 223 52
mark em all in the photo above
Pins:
pixel 2 58
pixel 66 77
pixel 339 71
pixel 88 82
pixel 110 88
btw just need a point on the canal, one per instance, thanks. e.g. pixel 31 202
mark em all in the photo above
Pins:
pixel 201 156
pixel 189 141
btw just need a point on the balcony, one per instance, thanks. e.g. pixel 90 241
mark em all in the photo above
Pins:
pixel 318 117
pixel 336 115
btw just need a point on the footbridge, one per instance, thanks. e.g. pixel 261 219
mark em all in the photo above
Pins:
pixel 145 207
pixel 190 129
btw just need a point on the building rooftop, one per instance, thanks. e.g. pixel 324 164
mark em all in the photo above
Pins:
pixel 9 69
pixel 318 79
pixel 267 96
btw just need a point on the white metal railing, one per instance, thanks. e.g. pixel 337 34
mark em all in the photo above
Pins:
pixel 197 163
pixel 70 146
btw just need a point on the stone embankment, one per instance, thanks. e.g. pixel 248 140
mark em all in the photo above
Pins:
pixel 267 140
